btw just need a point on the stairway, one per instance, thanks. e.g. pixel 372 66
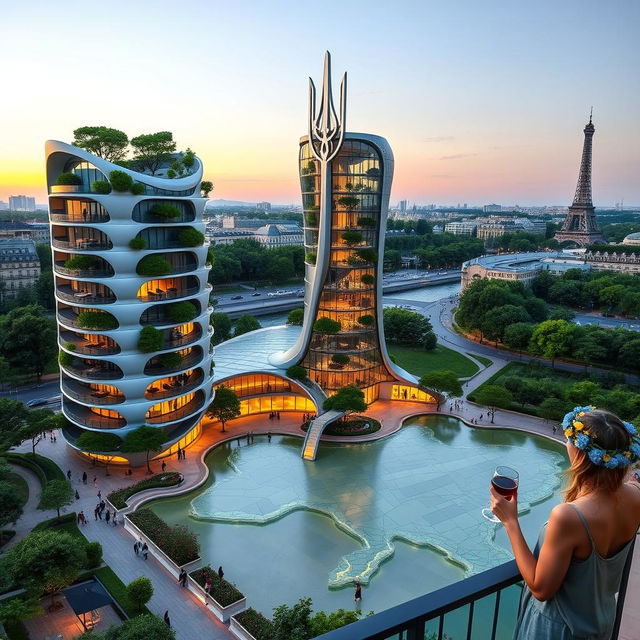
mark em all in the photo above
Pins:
pixel 317 426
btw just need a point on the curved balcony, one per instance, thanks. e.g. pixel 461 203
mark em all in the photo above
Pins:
pixel 98 394
pixel 173 263
pixel 93 418
pixel 79 239
pixel 76 317
pixel 180 337
pixel 164 238
pixel 77 211
pixel 174 385
pixel 85 293
pixel 89 344
pixel 81 265
pixel 153 211
pixel 167 314
pixel 170 411
pixel 164 363
pixel 168 289
pixel 92 369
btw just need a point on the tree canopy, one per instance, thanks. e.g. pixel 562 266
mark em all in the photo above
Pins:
pixel 246 323
pixel 152 150
pixel 405 327
pixel 445 382
pixel 225 405
pixel 104 142
pixel 348 399
pixel 144 439
pixel 57 494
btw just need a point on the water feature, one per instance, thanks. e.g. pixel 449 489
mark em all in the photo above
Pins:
pixel 402 513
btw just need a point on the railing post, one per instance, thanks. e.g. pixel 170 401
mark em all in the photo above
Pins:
pixel 416 631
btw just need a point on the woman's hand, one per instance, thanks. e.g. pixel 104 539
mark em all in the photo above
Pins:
pixel 505 510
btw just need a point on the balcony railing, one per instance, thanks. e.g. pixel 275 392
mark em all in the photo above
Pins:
pixel 94 420
pixel 83 273
pixel 476 606
pixel 84 297
pixel 181 340
pixel 171 416
pixel 170 294
pixel 90 396
pixel 171 390
pixel 89 348
pixel 76 219
pixel 93 372
pixel 82 245
pixel 156 368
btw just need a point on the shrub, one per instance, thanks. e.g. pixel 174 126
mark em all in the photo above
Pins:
pixel 120 181
pixel 138 243
pixel 191 237
pixel 179 543
pixel 348 202
pixel 69 346
pixel 367 223
pixel 297 372
pixel 94 554
pixel 312 219
pixel 68 179
pixel 374 171
pixel 310 258
pixel 340 358
pixel 139 592
pixel 206 187
pixel 296 317
pixel 137 188
pixel 165 210
pixel 326 325
pixel 170 360
pixel 151 339
pixel 367 255
pixel 180 312
pixel 367 278
pixel 101 186
pixel 255 623
pixel 97 320
pixel 366 321
pixel 65 359
pixel 154 265
pixel 188 158
pixel 352 237
pixel 223 592
pixel 81 262
pixel 118 498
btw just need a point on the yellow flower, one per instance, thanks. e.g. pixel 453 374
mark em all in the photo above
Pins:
pixel 581 414
pixel 578 425
pixel 627 454
pixel 568 432
pixel 587 432
pixel 606 457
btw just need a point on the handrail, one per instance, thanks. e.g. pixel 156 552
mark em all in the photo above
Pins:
pixel 83 273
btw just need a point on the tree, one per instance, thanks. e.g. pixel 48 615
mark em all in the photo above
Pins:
pixel 279 269
pixel 10 503
pixel 17 610
pixel 37 423
pixel 106 444
pixel 326 326
pixel 28 338
pixel 104 142
pixel 151 339
pixel 152 150
pixel 323 622
pixel 143 439
pixel 221 324
pixel 139 628
pixel 629 355
pixel 139 592
pixel 225 405
pixel 493 395
pixel 348 400
pixel 518 335
pixel 297 372
pixel 12 418
pixel 57 494
pixel 392 259
pixel 246 323
pixel 402 326
pixel 46 561
pixel 583 392
pixel 45 289
pixel 296 317
pixel 206 186
pixel 293 623
pixel 444 382
pixel 553 409
pixel 553 338
pixel 496 321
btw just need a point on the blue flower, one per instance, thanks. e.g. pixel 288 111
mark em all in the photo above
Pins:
pixel 635 449
pixel 630 428
pixel 595 455
pixel 612 463
pixel 623 461
pixel 582 441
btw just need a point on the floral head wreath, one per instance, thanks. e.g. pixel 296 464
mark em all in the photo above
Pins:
pixel 580 437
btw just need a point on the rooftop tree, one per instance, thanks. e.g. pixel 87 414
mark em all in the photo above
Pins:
pixel 152 150
pixel 104 142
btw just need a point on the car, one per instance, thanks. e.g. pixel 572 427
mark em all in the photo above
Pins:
pixel 300 294
pixel 42 402
pixel 236 297
pixel 253 295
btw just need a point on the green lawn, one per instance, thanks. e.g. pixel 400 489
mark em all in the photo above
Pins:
pixel 20 486
pixel 419 361
pixel 485 361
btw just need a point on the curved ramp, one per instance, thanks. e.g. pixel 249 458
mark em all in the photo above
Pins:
pixel 317 426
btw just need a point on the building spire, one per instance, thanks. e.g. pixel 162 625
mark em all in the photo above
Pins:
pixel 326 128
pixel 583 190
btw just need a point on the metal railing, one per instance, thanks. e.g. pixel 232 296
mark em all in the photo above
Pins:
pixel 92 397
pixel 171 416
pixel 170 294
pixel 82 245
pixel 83 273
pixel 79 297
pixel 156 368
pixel 76 219
pixel 173 391
pixel 478 603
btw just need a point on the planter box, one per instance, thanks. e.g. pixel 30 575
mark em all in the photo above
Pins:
pixel 65 188
pixel 238 631
pixel 160 556
pixel 222 613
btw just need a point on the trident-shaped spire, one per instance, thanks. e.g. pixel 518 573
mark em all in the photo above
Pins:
pixel 326 129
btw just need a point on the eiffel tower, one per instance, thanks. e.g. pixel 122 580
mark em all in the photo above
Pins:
pixel 580 225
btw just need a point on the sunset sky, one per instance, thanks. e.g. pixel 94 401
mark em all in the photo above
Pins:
pixel 481 101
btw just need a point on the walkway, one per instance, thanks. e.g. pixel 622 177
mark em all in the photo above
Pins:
pixel 317 426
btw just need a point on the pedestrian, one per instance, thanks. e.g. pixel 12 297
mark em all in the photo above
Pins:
pixel 69 474
pixel 268 436
pixel 358 594
pixel 95 479
pixel 167 619
pixel 84 477
pixel 182 578
pixel 164 466
pixel 95 512
pixel 207 584
pixel 184 454
pixel 99 493
pixel 107 516
pixel 136 547
pixel 114 518
pixel 220 572
pixel 145 551
pixel 77 495
pixel 79 519
pixel 55 438
pixel 554 429
pixel 179 453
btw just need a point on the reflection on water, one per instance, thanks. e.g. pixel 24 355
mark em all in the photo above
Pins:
pixel 425 485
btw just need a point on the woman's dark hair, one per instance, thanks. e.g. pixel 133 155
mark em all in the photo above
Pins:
pixel 607 431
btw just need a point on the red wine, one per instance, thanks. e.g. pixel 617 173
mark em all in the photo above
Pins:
pixel 504 486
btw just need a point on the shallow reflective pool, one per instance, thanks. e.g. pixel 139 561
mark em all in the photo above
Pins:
pixel 402 514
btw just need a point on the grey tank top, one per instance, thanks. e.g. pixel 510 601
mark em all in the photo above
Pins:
pixel 586 600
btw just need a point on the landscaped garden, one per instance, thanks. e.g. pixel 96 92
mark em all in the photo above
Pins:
pixel 418 361
pixel 118 498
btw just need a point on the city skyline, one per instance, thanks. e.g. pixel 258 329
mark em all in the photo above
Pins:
pixel 480 104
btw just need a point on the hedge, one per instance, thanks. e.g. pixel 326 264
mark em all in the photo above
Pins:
pixel 137 188
pixel 165 210
pixel 154 265
pixel 101 186
pixel 119 497
pixel 191 237
pixel 98 320
pixel 151 339
pixel 120 181
pixel 181 312
pixel 81 262
pixel 255 623
pixel 44 468
pixel 137 243
pixel 68 179
pixel 222 591
pixel 178 543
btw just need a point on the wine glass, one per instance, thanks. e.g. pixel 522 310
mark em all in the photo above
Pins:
pixel 505 482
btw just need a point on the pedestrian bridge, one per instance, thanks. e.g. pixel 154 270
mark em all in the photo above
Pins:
pixel 317 426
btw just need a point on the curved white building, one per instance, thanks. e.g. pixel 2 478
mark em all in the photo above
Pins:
pixel 132 296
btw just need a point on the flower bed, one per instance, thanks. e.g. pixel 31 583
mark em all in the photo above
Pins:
pixel 119 497
pixel 255 623
pixel 178 543
pixel 355 427
pixel 223 592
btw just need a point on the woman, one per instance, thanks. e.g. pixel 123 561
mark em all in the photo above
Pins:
pixel 572 581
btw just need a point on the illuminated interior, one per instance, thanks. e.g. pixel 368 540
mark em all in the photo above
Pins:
pixel 176 408
pixel 167 288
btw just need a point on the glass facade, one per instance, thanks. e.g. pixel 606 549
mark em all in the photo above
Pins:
pixel 143 211
pixel 352 355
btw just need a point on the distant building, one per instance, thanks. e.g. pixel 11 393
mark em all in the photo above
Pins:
pixel 465 228
pixel 402 206
pixel 492 208
pixel 19 266
pixel 496 229
pixel 620 258
pixel 4 206
pixel 40 232
pixel 36 231
pixel 264 206
pixel 227 236
pixel 22 203
pixel 279 235
pixel 632 240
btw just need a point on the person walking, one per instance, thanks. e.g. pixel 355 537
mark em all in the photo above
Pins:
pixel 167 619
pixel 95 480
pixel 145 551
pixel 84 477
pixel 207 584
pixel 164 466
pixel 220 572
pixel 77 495
pixel 358 594
pixel 179 453
pixel 99 493
pixel 107 516
pixel 136 547
pixel 182 578
pixel 573 575
pixel 95 512
pixel 69 475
